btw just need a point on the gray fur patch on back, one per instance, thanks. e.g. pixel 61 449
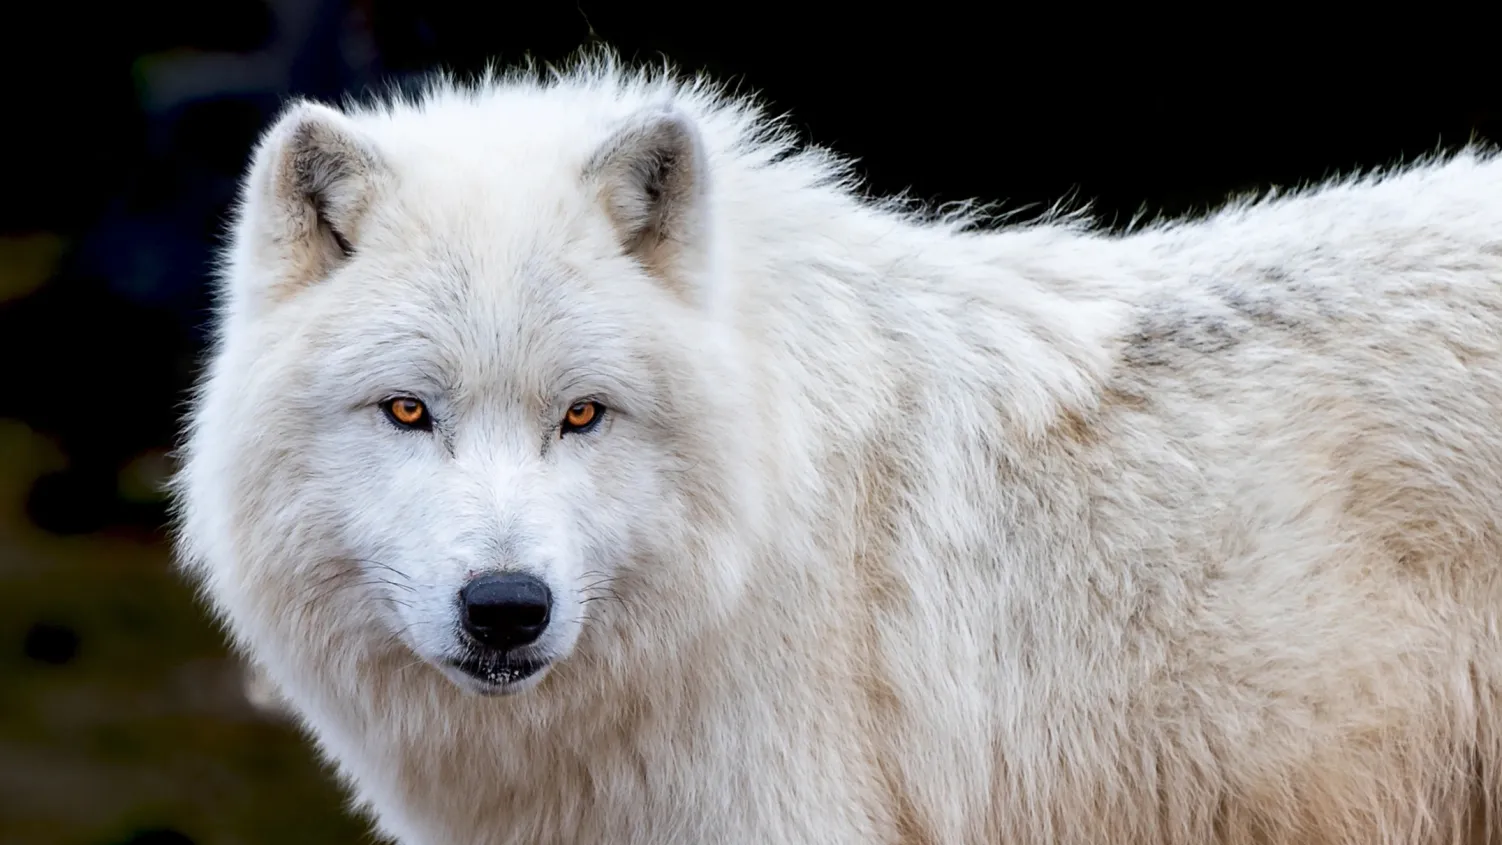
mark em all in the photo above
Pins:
pixel 1278 300
pixel 1175 328
pixel 1166 332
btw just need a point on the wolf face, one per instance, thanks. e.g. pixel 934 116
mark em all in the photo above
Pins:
pixel 478 409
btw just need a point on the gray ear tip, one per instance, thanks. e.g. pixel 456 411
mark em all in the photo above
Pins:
pixel 304 120
pixel 296 113
pixel 671 120
pixel 307 108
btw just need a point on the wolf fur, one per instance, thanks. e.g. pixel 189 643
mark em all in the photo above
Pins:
pixel 899 528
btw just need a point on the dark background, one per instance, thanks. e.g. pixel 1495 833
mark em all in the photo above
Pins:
pixel 122 718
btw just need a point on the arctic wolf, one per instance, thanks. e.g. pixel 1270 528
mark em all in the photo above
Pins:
pixel 587 462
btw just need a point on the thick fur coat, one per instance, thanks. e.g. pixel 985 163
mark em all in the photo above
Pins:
pixel 893 528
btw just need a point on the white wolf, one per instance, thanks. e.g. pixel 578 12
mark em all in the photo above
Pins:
pixel 587 463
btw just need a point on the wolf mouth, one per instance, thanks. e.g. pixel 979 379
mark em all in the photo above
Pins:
pixel 499 673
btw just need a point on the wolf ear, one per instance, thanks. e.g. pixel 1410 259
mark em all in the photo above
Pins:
pixel 654 182
pixel 307 194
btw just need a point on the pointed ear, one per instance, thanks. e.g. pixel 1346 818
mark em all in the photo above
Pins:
pixel 308 192
pixel 654 183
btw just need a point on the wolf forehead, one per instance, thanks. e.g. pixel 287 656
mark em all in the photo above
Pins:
pixel 439 326
pixel 455 354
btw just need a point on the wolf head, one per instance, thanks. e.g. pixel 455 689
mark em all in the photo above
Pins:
pixel 472 396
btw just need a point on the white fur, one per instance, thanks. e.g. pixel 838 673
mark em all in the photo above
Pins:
pixel 902 531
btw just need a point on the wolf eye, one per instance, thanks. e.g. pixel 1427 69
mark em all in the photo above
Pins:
pixel 581 417
pixel 406 412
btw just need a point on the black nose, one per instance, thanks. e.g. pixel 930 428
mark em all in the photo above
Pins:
pixel 506 611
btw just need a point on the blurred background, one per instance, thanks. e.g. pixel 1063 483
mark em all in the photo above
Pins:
pixel 122 717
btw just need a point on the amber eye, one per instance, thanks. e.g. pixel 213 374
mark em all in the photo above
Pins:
pixel 407 412
pixel 582 416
